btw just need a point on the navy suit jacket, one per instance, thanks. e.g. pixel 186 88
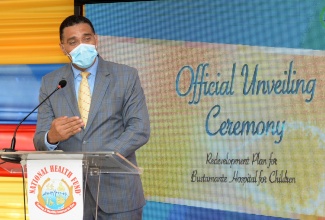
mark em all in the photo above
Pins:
pixel 118 121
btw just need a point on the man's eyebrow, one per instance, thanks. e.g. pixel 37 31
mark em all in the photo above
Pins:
pixel 72 38
pixel 84 35
pixel 87 34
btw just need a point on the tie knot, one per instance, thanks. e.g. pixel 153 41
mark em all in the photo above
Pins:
pixel 85 74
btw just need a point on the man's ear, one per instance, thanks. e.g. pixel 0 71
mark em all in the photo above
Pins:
pixel 96 41
pixel 65 52
pixel 62 49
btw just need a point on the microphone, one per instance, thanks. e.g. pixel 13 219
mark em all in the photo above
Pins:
pixel 15 159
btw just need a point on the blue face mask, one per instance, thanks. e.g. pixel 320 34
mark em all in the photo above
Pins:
pixel 84 55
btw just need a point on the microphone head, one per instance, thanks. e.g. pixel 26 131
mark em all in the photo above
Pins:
pixel 62 84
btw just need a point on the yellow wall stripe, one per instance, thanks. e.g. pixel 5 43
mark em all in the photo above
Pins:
pixel 29 30
pixel 11 198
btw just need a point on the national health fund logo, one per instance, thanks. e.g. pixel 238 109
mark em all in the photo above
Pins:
pixel 55 196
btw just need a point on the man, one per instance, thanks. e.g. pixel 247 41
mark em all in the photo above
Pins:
pixel 118 118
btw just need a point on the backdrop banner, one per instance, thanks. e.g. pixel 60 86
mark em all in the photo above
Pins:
pixel 235 92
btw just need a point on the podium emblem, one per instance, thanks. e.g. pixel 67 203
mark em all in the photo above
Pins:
pixel 55 196
pixel 55 189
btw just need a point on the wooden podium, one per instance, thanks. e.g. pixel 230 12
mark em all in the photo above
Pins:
pixel 54 182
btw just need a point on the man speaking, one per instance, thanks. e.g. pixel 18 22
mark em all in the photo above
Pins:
pixel 102 108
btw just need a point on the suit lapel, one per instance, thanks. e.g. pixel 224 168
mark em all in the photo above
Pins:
pixel 70 93
pixel 100 88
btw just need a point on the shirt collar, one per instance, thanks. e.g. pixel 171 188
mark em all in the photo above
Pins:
pixel 92 70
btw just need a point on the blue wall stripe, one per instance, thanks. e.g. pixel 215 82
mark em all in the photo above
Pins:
pixel 166 211
pixel 19 90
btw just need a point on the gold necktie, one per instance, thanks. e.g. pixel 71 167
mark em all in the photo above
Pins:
pixel 84 97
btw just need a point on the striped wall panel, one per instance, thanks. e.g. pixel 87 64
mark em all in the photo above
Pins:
pixel 29 35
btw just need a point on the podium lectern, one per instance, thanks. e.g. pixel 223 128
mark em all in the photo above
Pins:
pixel 58 184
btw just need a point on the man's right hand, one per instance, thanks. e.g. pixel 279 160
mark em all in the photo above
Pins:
pixel 63 128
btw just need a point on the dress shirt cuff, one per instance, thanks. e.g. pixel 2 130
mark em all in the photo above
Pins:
pixel 49 146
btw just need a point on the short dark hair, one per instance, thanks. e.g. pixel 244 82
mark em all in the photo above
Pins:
pixel 73 20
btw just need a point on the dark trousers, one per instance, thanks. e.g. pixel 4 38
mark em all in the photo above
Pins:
pixel 90 211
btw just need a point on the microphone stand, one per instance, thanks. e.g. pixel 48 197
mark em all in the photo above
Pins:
pixel 16 158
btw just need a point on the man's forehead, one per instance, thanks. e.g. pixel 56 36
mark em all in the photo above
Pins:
pixel 77 30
